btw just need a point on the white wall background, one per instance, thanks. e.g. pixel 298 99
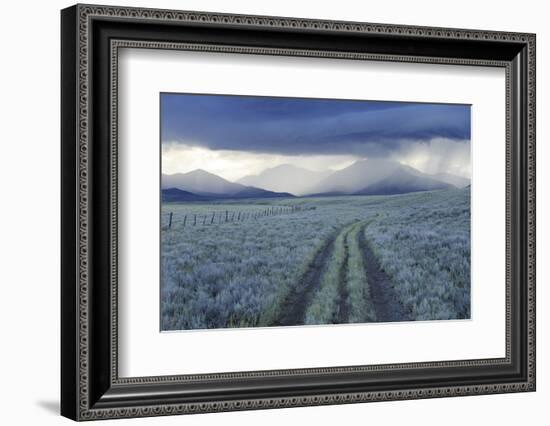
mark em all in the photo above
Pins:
pixel 29 225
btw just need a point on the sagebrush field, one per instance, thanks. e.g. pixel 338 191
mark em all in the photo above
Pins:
pixel 315 260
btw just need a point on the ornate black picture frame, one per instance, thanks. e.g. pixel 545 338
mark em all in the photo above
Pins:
pixel 90 38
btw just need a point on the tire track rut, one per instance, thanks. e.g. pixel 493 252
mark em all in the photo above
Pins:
pixel 384 298
pixel 301 295
pixel 342 312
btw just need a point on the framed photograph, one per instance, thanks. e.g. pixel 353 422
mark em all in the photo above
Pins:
pixel 263 212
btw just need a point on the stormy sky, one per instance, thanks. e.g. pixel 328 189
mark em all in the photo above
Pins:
pixel 238 135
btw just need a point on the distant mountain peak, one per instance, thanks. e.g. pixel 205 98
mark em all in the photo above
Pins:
pixel 285 167
pixel 201 172
pixel 285 178
pixel 371 176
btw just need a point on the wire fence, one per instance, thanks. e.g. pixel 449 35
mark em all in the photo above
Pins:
pixel 228 216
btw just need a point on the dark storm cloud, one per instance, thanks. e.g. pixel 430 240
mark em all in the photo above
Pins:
pixel 292 126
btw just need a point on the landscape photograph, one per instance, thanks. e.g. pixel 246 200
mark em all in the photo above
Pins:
pixel 280 211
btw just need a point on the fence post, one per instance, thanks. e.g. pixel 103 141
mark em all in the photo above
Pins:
pixel 170 221
pixel 213 216
pixel 195 220
pixel 184 220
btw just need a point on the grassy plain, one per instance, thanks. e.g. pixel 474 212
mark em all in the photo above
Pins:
pixel 240 264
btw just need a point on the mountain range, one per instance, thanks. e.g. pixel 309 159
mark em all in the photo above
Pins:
pixel 200 185
pixel 363 177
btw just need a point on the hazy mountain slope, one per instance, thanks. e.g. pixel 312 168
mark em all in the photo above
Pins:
pixel 209 186
pixel 402 181
pixel 252 192
pixel 458 181
pixel 356 177
pixel 369 177
pixel 285 178
pixel 175 194
pixel 200 182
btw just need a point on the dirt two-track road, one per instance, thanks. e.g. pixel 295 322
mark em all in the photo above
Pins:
pixel 382 295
